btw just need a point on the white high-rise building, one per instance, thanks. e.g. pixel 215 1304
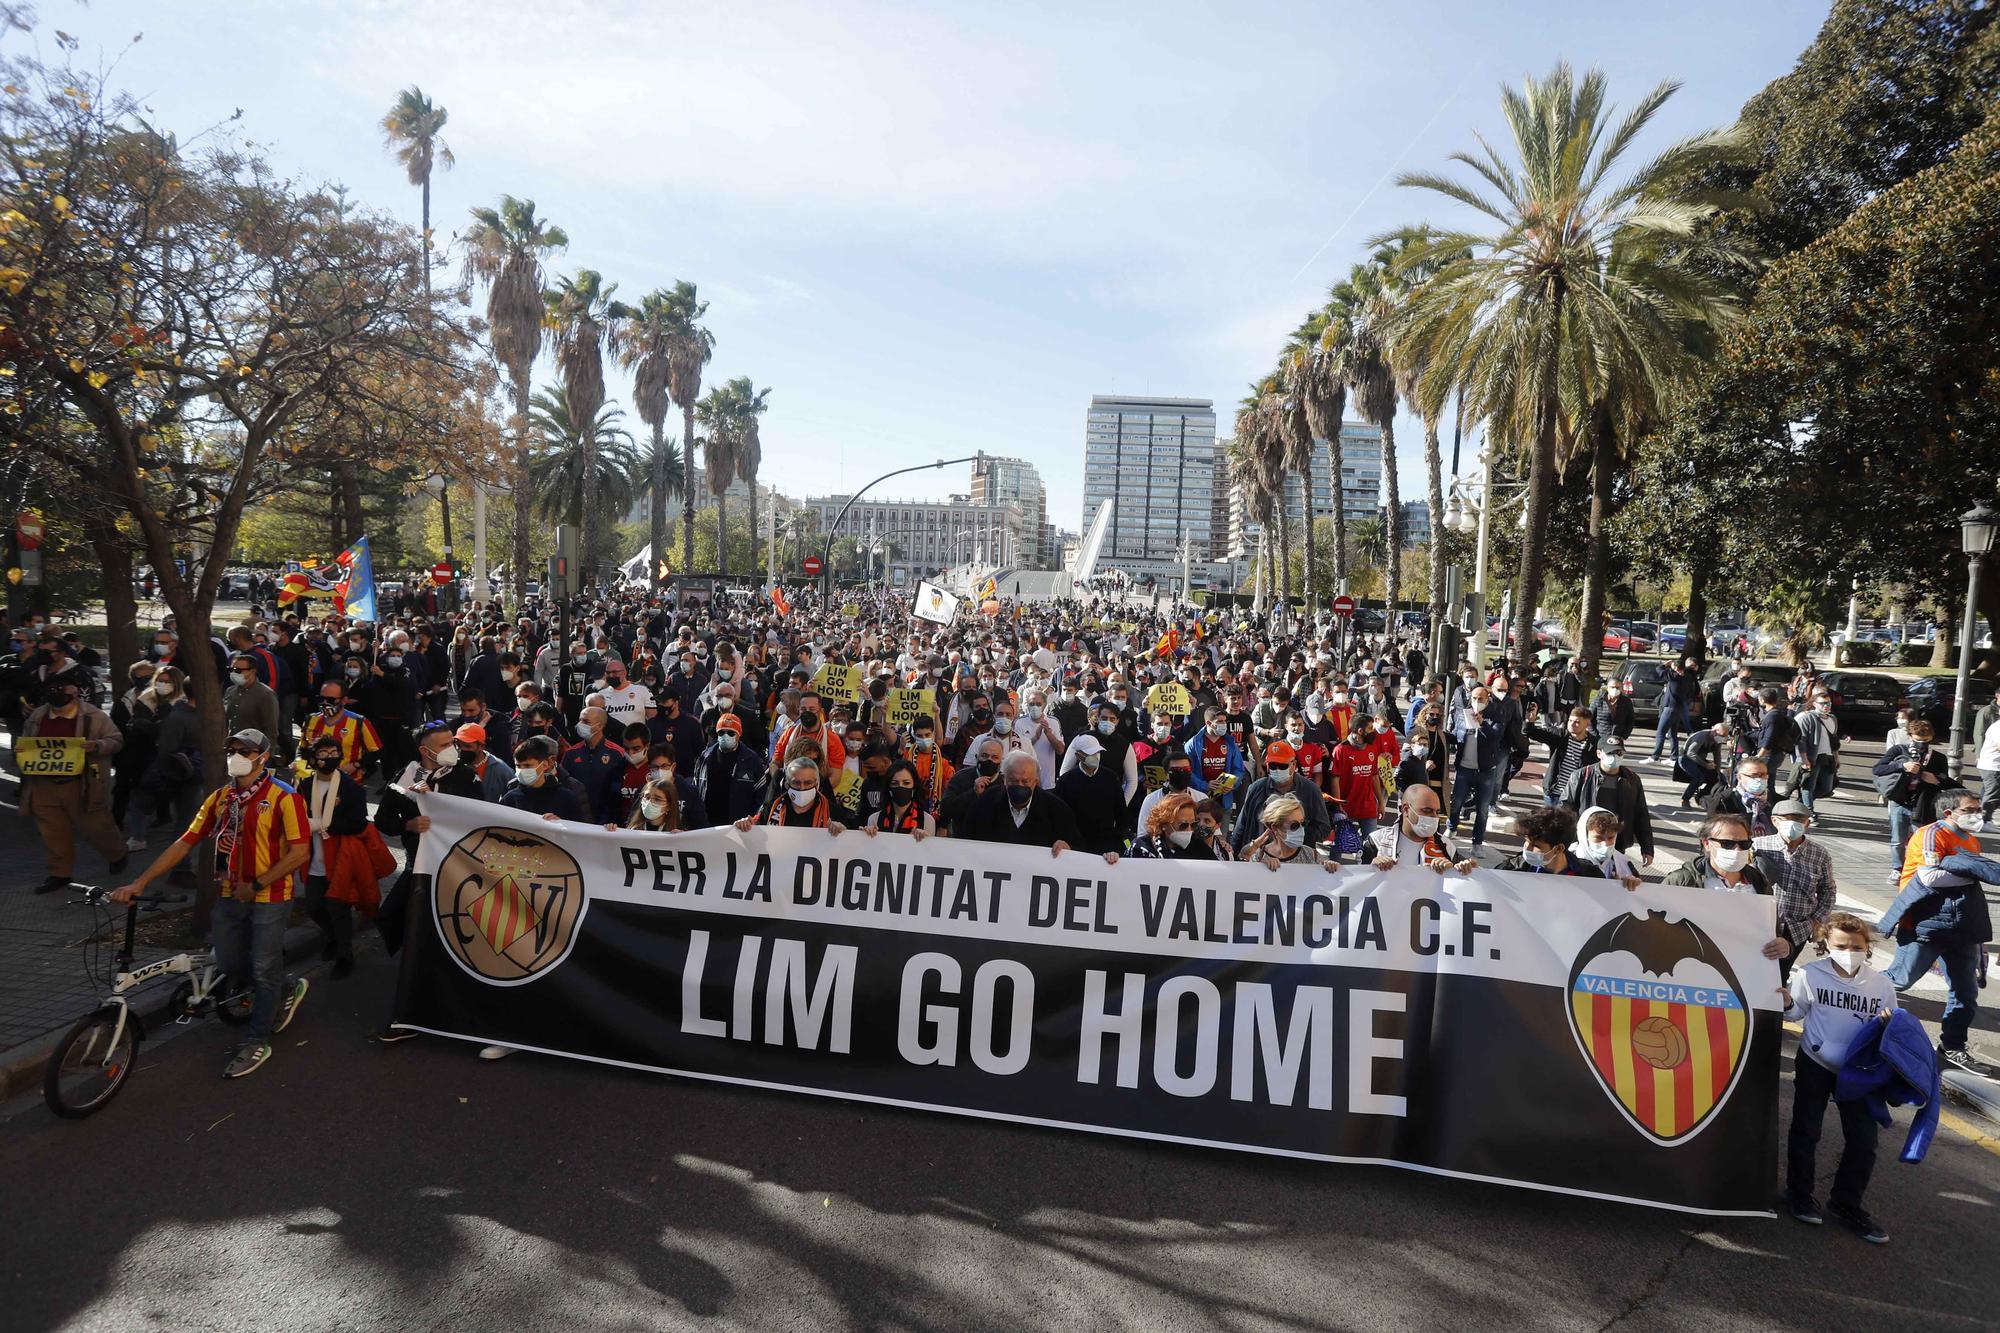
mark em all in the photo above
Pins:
pixel 1361 487
pixel 1154 459
pixel 1000 481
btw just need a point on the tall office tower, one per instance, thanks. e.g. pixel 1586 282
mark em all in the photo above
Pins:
pixel 1154 459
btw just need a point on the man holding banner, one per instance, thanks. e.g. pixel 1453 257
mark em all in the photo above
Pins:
pixel 65 785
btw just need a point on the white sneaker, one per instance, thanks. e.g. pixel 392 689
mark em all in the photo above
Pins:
pixel 135 844
pixel 495 1052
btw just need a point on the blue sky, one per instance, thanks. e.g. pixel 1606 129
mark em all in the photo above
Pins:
pixel 935 229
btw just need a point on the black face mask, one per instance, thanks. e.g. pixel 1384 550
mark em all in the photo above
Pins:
pixel 1179 779
pixel 988 767
pixel 902 795
pixel 1019 794
pixel 982 715
pixel 326 763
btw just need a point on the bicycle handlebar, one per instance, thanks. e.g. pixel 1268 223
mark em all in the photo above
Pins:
pixel 94 894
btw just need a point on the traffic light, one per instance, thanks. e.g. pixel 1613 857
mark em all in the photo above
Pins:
pixel 564 577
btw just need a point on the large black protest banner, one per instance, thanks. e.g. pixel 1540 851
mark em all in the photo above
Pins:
pixel 1537 1030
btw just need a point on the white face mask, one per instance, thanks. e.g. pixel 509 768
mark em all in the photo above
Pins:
pixel 529 777
pixel 1423 826
pixel 240 765
pixel 1849 961
pixel 1295 837
pixel 1181 837
pixel 1729 859
pixel 1599 852
pixel 1034 712
pixel 1971 823
pixel 1611 762
pixel 1003 726
pixel 245 677
pixel 447 756
pixel 652 809
pixel 1419 751
pixel 1791 830
pixel 802 799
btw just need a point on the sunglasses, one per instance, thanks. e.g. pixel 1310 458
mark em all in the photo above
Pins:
pixel 1290 827
pixel 1734 844
pixel 238 749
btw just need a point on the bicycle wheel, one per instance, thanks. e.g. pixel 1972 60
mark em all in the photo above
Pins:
pixel 89 1066
pixel 233 1006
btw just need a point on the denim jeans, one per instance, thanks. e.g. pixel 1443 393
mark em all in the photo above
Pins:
pixel 1673 723
pixel 1476 790
pixel 249 941
pixel 1902 823
pixel 1961 973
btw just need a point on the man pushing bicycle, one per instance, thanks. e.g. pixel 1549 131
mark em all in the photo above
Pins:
pixel 262 841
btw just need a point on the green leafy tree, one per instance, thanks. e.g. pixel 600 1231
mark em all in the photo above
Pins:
pixel 566 448
pixel 579 309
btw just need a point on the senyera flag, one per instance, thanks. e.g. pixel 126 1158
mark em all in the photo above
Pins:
pixel 1538 1030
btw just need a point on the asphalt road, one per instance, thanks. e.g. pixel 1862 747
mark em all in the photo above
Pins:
pixel 348 1185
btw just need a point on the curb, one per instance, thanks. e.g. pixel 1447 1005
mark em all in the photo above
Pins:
pixel 1981 1096
pixel 21 1068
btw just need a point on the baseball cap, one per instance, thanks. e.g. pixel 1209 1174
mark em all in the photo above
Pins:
pixel 1790 810
pixel 729 722
pixel 253 738
pixel 470 731
pixel 1611 745
pixel 1087 744
pixel 1279 752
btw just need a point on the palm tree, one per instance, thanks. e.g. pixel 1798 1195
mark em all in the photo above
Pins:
pixel 504 249
pixel 411 129
pixel 1364 302
pixel 749 404
pixel 1260 424
pixel 1322 342
pixel 645 338
pixel 579 309
pixel 721 433
pixel 689 346
pixel 1371 540
pixel 1297 436
pixel 566 452
pixel 1518 317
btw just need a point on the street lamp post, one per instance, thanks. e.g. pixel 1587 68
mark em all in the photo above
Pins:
pixel 1977 528
pixel 1460 517
pixel 826 550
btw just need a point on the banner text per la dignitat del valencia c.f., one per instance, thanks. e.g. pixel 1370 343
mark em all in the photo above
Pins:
pixel 1539 1030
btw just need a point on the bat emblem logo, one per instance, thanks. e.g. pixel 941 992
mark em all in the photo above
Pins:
pixel 1662 1022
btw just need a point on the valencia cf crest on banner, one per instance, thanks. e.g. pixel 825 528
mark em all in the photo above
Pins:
pixel 508 904
pixel 1661 1021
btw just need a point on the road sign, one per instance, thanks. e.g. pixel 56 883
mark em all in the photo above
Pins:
pixel 1343 605
pixel 813 566
pixel 28 530
pixel 441 572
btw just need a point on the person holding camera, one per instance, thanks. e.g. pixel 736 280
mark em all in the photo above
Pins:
pixel 1909 777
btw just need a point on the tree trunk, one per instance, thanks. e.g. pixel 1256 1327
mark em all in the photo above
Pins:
pixel 1284 550
pixel 1597 560
pixel 657 528
pixel 1339 511
pixel 1434 502
pixel 350 504
pixel 1312 559
pixel 1942 656
pixel 1541 479
pixel 121 607
pixel 587 497
pixel 753 533
pixel 721 534
pixel 1699 570
pixel 522 490
pixel 687 483
pixel 1392 530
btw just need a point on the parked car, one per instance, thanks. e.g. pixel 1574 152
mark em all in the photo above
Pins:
pixel 1761 674
pixel 1543 639
pixel 1930 698
pixel 1625 639
pixel 1673 638
pixel 1367 621
pixel 235 588
pixel 1643 682
pixel 1864 700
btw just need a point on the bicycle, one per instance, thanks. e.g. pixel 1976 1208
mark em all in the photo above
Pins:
pixel 95 1058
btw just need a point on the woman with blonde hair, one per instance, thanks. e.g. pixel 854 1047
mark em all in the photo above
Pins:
pixel 1283 841
pixel 658 809
pixel 1170 832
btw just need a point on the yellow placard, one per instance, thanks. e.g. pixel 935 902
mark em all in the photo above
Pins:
pixel 904 707
pixel 49 756
pixel 1171 698
pixel 839 683
pixel 852 610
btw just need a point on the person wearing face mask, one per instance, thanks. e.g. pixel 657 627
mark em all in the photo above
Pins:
pixel 1357 798
pixel 1801 874
pixel 1003 727
pixel 978 775
pixel 1219 765
pixel 1835 999
pixel 1041 733
pixel 1749 796
pixel 579 669
pixel 1281 778
pixel 1173 833
pixel 1121 754
pixel 934 771
pixel 248 702
pixel 1611 785
pixel 1016 810
pixel 386 694
pixel 1282 839
pixel 542 788
pixel 360 743
pixel 1546 835
pixel 625 701
pixel 596 763
pixel 1940 915
pixel 1070 711
pixel 1611 716
pixel 339 876
pixel 1597 831
pixel 1817 746
pixel 725 699
pixel 656 807
pixel 262 841
pixel 137 714
pixel 1416 838
pixel 802 802
pixel 907 809
pixel 1700 763
pixel 1726 865
pixel 1095 796
pixel 67 789
pixel 728 776
pixel 1478 758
